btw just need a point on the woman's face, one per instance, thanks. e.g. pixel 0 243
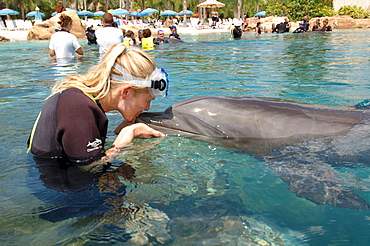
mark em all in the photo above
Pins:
pixel 135 103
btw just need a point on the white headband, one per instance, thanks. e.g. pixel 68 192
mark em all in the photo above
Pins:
pixel 157 82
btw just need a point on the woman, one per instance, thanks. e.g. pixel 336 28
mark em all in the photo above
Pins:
pixel 258 28
pixel 62 43
pixel 72 125
pixel 60 8
pixel 325 26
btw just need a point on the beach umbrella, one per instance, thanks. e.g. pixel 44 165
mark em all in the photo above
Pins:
pixel 8 12
pixel 34 14
pixel 168 13
pixel 68 9
pixel 85 13
pixel 188 12
pixel 99 13
pixel 149 11
pixel 260 14
pixel 119 12
pixel 211 4
pixel 137 14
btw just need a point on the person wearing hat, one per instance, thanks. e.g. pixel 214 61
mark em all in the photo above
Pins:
pixel 60 8
pixel 300 29
pixel 160 39
pixel 174 33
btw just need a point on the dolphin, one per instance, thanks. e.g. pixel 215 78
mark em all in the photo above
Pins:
pixel 260 126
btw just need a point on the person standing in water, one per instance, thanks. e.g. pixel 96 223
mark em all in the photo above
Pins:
pixel 62 43
pixel 108 35
pixel 72 126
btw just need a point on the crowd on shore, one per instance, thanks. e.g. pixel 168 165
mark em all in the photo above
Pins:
pixel 286 26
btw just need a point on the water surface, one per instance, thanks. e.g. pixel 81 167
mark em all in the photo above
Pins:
pixel 186 192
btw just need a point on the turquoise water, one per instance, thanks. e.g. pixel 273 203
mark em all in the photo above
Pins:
pixel 187 192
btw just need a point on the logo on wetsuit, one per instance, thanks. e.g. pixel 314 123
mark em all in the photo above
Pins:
pixel 96 144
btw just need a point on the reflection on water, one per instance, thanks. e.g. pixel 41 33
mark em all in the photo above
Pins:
pixel 178 191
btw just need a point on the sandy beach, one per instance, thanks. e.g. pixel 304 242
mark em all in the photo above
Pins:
pixel 22 35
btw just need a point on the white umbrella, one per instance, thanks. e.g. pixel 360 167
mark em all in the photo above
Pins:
pixel 211 4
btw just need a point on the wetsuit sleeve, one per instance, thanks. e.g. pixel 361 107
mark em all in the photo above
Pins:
pixel 81 127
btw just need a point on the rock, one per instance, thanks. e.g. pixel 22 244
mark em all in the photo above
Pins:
pixel 44 30
pixel 4 39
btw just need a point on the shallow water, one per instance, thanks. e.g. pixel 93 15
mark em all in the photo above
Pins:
pixel 187 192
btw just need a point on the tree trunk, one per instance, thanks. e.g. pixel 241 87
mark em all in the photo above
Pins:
pixel 22 11
pixel 184 8
pixel 239 9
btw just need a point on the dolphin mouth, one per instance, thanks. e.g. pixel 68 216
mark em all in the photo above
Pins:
pixel 159 121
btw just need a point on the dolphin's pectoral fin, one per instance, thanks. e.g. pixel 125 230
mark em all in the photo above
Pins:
pixel 318 183
pixel 329 193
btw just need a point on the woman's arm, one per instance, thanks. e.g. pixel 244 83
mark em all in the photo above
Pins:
pixel 51 52
pixel 79 51
pixel 138 130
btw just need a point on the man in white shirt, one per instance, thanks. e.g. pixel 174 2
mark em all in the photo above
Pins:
pixel 108 35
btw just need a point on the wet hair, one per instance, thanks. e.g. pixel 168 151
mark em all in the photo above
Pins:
pixel 98 81
pixel 129 33
pixel 147 33
pixel 108 18
pixel 64 20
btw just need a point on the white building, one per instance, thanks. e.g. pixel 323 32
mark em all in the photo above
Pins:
pixel 365 4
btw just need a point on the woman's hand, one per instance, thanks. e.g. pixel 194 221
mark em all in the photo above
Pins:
pixel 138 130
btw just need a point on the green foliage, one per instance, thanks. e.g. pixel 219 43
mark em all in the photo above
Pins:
pixel 296 9
pixel 354 11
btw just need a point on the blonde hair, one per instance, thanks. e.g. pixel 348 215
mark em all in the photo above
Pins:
pixel 98 81
pixel 64 20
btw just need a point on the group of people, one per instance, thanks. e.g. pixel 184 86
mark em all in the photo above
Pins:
pixel 316 27
pixel 65 45
pixel 304 26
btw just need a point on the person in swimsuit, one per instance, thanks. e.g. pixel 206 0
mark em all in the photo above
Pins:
pixel 72 125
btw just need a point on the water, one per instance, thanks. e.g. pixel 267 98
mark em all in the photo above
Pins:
pixel 187 192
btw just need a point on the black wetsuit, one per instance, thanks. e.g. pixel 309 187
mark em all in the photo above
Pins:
pixel 237 32
pixel 299 30
pixel 326 29
pixel 158 41
pixel 280 28
pixel 71 127
pixel 286 26
pixel 306 25
pixel 175 35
